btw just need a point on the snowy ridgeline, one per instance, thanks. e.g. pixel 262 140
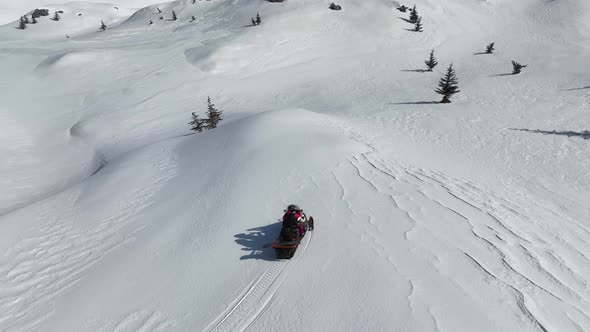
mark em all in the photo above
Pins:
pixel 430 216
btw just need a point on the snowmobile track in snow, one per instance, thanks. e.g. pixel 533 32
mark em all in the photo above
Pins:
pixel 257 296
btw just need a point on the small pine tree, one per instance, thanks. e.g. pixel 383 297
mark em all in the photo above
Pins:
pixel 161 17
pixel 151 22
pixel 174 18
pixel 258 19
pixel 490 48
pixel 516 67
pixel 56 16
pixel 26 19
pixel 431 62
pixel 21 24
pixel 447 86
pixel 414 15
pixel 192 19
pixel 418 24
pixel 103 26
pixel 33 19
pixel 253 21
pixel 197 124
pixel 213 115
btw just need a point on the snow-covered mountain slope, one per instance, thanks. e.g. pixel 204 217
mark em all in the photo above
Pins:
pixel 469 216
pixel 11 10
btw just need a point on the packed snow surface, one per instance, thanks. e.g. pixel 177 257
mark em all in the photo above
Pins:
pixel 469 216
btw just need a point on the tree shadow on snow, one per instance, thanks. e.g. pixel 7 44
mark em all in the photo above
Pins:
pixel 481 53
pixel 416 103
pixel 583 134
pixel 405 19
pixel 582 88
pixel 256 241
pixel 506 74
pixel 416 70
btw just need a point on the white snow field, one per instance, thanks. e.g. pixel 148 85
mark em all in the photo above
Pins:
pixel 469 216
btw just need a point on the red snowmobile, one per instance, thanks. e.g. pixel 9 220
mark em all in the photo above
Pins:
pixel 295 225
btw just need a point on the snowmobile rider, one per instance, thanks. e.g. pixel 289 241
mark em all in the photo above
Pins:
pixel 296 212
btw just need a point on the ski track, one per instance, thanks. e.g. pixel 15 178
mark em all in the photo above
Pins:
pixel 531 265
pixel 257 296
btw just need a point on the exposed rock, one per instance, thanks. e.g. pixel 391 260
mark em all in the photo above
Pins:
pixel 40 12
pixel 335 7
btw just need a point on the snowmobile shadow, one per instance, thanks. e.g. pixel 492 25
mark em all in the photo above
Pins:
pixel 256 241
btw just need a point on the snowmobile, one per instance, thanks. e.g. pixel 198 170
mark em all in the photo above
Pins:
pixel 289 238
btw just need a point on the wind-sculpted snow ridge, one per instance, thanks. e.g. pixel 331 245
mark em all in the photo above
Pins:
pixel 541 267
pixel 143 320
pixel 57 252
pixel 75 60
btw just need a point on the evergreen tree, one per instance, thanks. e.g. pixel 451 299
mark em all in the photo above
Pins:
pixel 161 17
pixel 197 124
pixel 418 24
pixel 516 67
pixel 21 24
pixel 192 19
pixel 258 19
pixel 253 21
pixel 26 19
pixel 213 115
pixel 56 16
pixel 431 62
pixel 447 86
pixel 174 18
pixel 414 15
pixel 151 22
pixel 103 27
pixel 490 48
pixel 33 19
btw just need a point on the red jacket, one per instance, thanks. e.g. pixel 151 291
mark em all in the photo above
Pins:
pixel 297 215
